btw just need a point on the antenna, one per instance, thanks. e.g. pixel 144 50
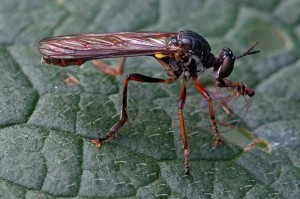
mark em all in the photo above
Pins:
pixel 249 51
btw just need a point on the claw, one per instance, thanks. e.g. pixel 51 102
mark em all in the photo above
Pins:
pixel 218 141
pixel 97 142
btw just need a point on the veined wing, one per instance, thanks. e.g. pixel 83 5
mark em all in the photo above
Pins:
pixel 85 47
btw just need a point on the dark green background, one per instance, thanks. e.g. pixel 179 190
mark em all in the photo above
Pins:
pixel 46 126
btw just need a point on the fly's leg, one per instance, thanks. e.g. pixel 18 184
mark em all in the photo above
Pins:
pixel 238 87
pixel 240 90
pixel 224 103
pixel 207 96
pixel 124 116
pixel 103 67
pixel 70 79
pixel 186 150
pixel 107 69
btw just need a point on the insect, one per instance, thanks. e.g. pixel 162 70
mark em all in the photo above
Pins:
pixel 185 53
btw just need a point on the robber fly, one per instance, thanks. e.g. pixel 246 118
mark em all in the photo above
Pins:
pixel 184 53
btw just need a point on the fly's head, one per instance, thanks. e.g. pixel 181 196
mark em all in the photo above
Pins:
pixel 225 64
pixel 226 59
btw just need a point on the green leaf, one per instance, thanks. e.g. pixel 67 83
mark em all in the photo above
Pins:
pixel 46 125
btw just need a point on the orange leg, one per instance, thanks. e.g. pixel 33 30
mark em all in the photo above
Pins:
pixel 238 87
pixel 113 131
pixel 223 102
pixel 205 94
pixel 186 150
pixel 71 80
pixel 107 69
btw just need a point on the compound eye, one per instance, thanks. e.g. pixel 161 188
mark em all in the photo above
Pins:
pixel 228 59
pixel 227 52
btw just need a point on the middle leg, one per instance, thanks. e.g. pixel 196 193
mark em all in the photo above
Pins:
pixel 186 150
pixel 112 132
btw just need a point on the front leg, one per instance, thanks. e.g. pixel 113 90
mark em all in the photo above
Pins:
pixel 238 87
